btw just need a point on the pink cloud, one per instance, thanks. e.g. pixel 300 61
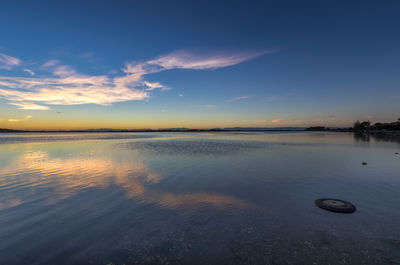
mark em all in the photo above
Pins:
pixel 8 62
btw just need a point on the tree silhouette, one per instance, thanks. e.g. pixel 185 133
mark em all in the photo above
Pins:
pixel 367 126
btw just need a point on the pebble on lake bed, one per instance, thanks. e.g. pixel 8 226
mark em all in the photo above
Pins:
pixel 364 163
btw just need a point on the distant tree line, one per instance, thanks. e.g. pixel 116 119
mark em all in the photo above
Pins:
pixel 378 126
pixel 317 128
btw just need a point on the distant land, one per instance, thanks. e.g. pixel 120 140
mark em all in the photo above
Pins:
pixel 358 127
pixel 230 129
pixel 162 130
pixel 365 128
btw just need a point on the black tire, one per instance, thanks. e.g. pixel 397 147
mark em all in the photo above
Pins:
pixel 335 205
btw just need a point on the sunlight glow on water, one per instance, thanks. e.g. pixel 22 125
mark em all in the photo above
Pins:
pixel 222 198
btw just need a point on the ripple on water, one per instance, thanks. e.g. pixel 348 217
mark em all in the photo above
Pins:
pixel 195 147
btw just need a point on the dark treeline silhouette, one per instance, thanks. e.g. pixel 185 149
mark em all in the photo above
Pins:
pixel 105 130
pixel 378 126
pixel 328 129
pixel 316 128
pixel 8 130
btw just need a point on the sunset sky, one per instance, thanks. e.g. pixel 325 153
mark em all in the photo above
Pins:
pixel 198 64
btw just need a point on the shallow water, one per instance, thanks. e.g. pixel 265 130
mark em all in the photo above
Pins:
pixel 197 198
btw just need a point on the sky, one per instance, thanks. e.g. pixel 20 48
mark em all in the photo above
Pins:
pixel 198 64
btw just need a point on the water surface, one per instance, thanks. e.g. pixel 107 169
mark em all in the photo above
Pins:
pixel 197 198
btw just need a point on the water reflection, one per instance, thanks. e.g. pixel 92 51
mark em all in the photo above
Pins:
pixel 195 147
pixel 68 176
pixel 9 202
pixel 198 199
pixel 367 137
pixel 49 137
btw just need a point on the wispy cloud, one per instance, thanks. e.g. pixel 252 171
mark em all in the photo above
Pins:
pixel 276 120
pixel 27 117
pixel 29 71
pixel 8 62
pixel 86 55
pixel 332 118
pixel 238 98
pixel 151 86
pixel 369 116
pixel 186 60
pixel 272 98
pixel 69 90
pixel 66 86
pixel 50 63
pixel 30 106
pixel 209 106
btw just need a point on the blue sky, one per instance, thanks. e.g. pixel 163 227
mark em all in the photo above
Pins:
pixel 200 64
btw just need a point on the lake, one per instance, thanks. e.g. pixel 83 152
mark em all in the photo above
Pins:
pixel 197 198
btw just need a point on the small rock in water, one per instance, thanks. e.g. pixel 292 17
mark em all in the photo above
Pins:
pixel 364 163
pixel 396 153
pixel 335 205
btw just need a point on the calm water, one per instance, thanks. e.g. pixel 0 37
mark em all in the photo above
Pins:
pixel 222 198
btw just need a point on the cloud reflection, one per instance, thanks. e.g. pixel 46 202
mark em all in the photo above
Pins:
pixel 69 176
